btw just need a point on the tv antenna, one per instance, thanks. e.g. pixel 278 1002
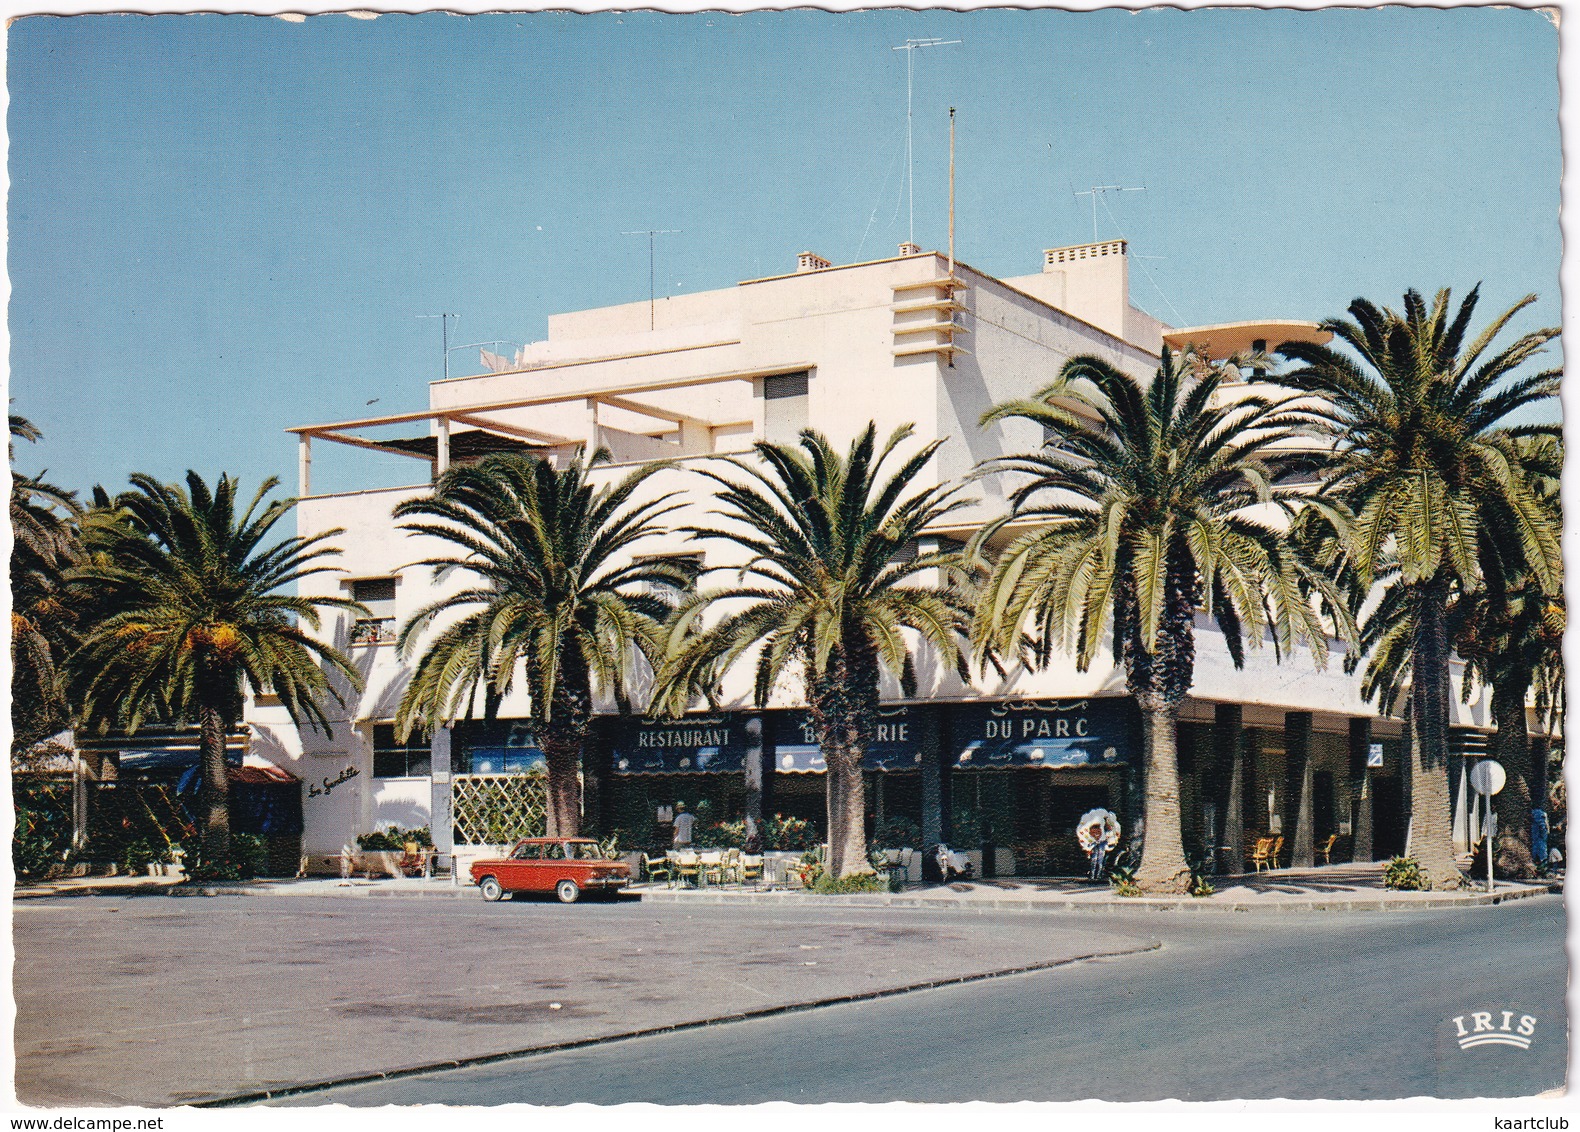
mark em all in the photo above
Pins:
pixel 652 278
pixel 911 47
pixel 1097 189
pixel 444 331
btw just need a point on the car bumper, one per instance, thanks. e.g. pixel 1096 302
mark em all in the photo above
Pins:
pixel 606 882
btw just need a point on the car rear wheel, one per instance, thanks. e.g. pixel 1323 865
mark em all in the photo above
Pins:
pixel 567 891
pixel 491 889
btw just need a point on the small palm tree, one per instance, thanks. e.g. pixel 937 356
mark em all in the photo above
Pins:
pixel 557 599
pixel 1147 503
pixel 826 595
pixel 1430 466
pixel 184 612
pixel 44 545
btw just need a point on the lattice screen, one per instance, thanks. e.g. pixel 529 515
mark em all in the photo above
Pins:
pixel 496 809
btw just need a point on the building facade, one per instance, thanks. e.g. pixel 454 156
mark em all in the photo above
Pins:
pixel 1009 763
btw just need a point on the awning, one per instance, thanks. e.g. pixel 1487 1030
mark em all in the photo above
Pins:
pixel 695 744
pixel 1047 733
pixel 896 742
pixel 505 760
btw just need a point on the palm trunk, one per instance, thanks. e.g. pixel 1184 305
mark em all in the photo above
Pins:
pixel 847 835
pixel 1512 804
pixel 565 789
pixel 1163 865
pixel 1431 816
pixel 214 794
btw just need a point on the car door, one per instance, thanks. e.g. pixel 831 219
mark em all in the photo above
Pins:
pixel 521 869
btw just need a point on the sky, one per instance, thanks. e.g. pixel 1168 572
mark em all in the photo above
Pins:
pixel 220 226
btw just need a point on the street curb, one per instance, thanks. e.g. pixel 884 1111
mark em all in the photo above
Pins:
pixel 1128 903
pixel 653 1031
pixel 803 899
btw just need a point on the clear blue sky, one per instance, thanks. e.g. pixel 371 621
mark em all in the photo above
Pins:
pixel 221 226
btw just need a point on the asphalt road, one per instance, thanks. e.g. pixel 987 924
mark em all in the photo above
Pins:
pixel 1298 1006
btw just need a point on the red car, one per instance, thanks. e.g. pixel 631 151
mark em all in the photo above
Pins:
pixel 565 866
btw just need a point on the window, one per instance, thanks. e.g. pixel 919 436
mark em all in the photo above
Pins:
pixel 378 627
pixel 394 759
pixel 784 407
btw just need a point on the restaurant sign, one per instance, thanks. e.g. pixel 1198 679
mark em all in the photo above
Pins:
pixel 1054 733
pixel 896 742
pixel 678 746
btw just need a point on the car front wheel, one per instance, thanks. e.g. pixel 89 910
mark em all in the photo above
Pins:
pixel 491 889
pixel 567 891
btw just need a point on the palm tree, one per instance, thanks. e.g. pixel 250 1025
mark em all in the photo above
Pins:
pixel 185 612
pixel 827 594
pixel 44 545
pixel 1145 504
pixel 557 599
pixel 1430 467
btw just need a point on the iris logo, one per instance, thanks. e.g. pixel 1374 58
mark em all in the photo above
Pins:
pixel 1483 1031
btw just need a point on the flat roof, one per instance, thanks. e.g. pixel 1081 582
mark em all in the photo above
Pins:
pixel 1225 338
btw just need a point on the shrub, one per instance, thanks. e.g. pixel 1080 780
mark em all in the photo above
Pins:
pixel 826 885
pixel 394 838
pixel 1200 873
pixel 720 835
pixel 789 833
pixel 897 833
pixel 1404 874
pixel 1123 880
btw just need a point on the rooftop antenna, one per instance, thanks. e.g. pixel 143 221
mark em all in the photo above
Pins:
pixel 652 279
pixel 1096 189
pixel 910 48
pixel 444 330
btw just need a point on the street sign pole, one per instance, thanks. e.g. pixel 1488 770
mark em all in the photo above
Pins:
pixel 1487 778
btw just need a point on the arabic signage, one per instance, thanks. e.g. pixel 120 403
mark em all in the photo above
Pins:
pixel 678 746
pixel 1053 733
pixel 896 743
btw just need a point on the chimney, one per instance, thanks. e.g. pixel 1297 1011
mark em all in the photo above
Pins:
pixel 910 249
pixel 810 261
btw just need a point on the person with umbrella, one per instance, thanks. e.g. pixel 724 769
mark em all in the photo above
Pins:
pixel 1098 833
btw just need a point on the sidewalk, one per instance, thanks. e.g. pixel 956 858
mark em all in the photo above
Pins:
pixel 1327 888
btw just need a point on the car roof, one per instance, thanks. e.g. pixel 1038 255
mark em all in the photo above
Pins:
pixel 553 840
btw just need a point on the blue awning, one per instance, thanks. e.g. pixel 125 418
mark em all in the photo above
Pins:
pixel 1047 733
pixel 896 743
pixel 707 744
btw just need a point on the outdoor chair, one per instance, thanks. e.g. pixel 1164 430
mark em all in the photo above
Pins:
pixel 711 864
pixel 731 869
pixel 687 867
pixel 1278 849
pixel 656 867
pixel 1325 850
pixel 751 867
pixel 1262 855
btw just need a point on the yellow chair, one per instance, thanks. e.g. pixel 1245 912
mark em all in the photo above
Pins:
pixel 687 867
pixel 1262 854
pixel 1325 850
pixel 751 867
pixel 654 867
pixel 711 865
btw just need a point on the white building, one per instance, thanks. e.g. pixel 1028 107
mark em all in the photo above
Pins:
pixel 911 339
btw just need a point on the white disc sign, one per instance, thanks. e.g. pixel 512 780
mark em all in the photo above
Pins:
pixel 1487 776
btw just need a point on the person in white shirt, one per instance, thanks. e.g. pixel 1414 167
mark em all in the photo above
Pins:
pixel 683 824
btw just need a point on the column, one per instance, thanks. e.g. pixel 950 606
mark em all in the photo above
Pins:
pixel 1361 791
pixel 1297 776
pixel 441 462
pixel 1228 756
pixel 754 785
pixel 304 464
pixel 934 784
pixel 439 816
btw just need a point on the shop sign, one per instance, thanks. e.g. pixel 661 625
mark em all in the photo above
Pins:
pixel 1374 755
pixel 679 746
pixel 896 743
pixel 1057 733
pixel 330 783
pixel 499 746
